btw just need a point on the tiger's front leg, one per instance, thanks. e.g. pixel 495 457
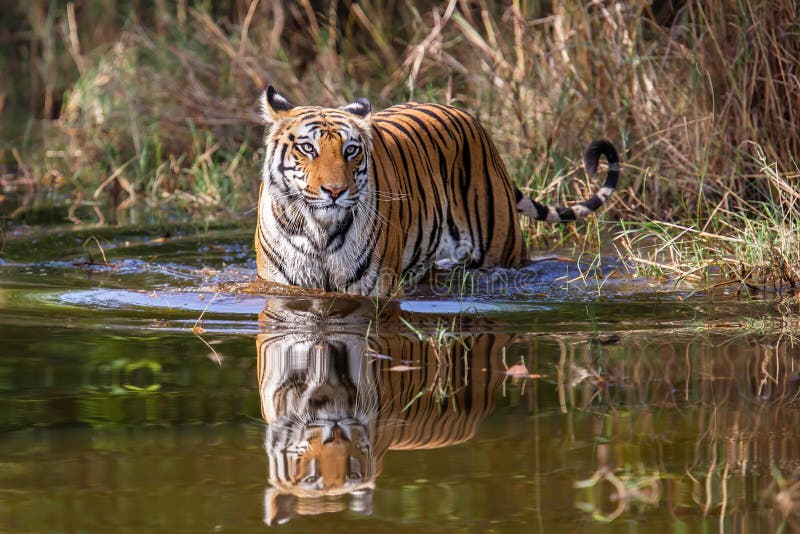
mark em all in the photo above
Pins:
pixel 453 254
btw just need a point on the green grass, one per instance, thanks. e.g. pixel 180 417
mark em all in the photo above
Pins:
pixel 757 246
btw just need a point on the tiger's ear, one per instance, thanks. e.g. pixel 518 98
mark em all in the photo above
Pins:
pixel 274 105
pixel 359 107
pixel 278 506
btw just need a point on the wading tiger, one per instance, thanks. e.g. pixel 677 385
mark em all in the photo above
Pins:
pixel 360 202
pixel 334 407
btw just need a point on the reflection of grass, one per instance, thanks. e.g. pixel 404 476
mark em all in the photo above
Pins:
pixel 786 496
pixel 779 329
pixel 629 488
pixel 739 403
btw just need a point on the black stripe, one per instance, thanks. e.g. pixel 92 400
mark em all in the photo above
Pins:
pixel 337 239
pixel 474 219
pixel 274 259
pixel 466 159
pixel 424 127
pixel 282 168
pixel 424 157
pixel 363 265
pixel 283 220
pixel 566 214
pixel 446 125
pixel 541 210
pixel 408 175
pixel 592 203
pixel 485 145
pixel 342 370
pixel 365 258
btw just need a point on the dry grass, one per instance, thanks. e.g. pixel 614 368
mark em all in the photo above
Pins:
pixel 756 245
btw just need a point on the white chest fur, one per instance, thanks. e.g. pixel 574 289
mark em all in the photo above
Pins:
pixel 323 251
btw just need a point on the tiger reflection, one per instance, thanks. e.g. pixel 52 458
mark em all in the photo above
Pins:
pixel 334 403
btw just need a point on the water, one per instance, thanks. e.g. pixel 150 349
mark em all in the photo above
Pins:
pixel 135 396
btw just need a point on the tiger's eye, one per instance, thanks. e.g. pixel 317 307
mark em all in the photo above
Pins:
pixel 308 148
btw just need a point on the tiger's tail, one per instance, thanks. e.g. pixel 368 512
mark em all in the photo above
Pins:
pixel 561 214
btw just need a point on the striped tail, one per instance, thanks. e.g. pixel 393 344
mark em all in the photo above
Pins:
pixel 591 158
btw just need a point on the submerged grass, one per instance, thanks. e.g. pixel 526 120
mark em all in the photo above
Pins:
pixel 158 106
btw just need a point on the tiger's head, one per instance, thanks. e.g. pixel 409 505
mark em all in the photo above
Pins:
pixel 317 159
pixel 317 465
pixel 320 404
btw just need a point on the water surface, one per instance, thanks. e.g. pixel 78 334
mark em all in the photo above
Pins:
pixel 146 388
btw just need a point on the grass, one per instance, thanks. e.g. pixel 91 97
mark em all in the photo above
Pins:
pixel 156 107
pixel 758 246
pixel 441 342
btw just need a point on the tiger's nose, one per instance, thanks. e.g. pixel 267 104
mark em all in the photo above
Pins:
pixel 337 435
pixel 333 190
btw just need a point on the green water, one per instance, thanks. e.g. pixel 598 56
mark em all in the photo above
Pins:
pixel 617 404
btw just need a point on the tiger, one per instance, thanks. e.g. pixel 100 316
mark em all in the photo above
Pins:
pixel 366 203
pixel 333 405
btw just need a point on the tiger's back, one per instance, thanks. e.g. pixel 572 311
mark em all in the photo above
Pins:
pixel 444 189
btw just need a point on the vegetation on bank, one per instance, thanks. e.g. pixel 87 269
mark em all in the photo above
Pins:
pixel 156 106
